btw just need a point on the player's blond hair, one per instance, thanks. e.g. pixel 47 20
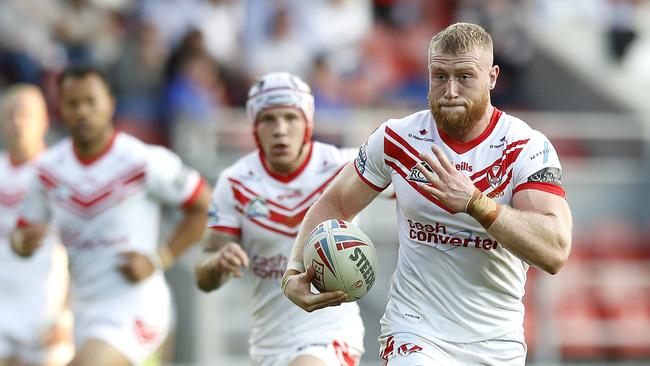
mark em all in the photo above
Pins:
pixel 460 38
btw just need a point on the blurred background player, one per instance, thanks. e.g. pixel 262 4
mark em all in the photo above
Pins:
pixel 486 206
pixel 257 207
pixel 105 190
pixel 36 325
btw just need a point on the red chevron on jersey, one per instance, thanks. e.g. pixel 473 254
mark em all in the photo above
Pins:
pixel 91 204
pixel 405 155
pixel 10 199
pixel 490 175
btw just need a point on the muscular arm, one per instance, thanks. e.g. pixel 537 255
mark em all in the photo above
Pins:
pixel 222 257
pixel 536 229
pixel 343 199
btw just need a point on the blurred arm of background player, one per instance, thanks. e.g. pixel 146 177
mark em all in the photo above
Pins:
pixel 139 266
pixel 222 258
pixel 26 240
pixel 343 199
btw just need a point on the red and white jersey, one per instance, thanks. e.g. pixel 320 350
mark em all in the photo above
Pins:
pixel 453 281
pixel 265 211
pixel 108 205
pixel 19 277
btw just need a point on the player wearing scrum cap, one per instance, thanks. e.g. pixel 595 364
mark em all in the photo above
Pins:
pixel 104 191
pixel 257 207
pixel 35 324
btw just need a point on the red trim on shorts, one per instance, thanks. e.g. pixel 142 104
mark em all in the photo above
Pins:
pixel 540 186
pixel 195 194
pixel 463 147
pixel 90 160
pixel 226 229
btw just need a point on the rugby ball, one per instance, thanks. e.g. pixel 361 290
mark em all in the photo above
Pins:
pixel 343 258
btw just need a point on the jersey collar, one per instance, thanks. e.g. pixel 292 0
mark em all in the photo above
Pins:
pixel 463 147
pixel 91 160
pixel 287 178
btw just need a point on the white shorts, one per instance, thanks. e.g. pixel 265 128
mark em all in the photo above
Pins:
pixel 333 354
pixel 406 349
pixel 135 323
pixel 32 299
pixel 27 343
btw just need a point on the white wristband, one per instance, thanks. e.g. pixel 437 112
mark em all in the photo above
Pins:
pixel 162 258
pixel 296 265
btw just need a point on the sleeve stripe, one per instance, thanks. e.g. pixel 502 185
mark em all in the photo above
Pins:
pixel 22 223
pixel 366 181
pixel 546 187
pixel 195 194
pixel 226 229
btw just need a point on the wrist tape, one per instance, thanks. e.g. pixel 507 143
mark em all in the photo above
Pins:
pixel 484 209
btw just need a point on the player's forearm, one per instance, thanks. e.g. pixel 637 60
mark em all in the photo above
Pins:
pixel 206 279
pixel 541 240
pixel 190 228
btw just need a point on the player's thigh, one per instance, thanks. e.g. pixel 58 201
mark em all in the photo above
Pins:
pixel 307 360
pixel 94 352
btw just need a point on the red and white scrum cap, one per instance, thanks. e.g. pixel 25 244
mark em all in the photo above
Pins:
pixel 281 90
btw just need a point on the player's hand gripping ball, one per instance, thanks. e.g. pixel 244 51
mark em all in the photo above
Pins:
pixel 343 258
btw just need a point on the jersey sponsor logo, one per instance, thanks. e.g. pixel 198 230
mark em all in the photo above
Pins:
pixel 438 237
pixel 544 152
pixel 494 176
pixel 547 175
pixel 294 193
pixel 406 349
pixel 421 137
pixel 269 267
pixel 417 176
pixel 502 142
pixel 257 208
pixel 361 159
pixel 464 166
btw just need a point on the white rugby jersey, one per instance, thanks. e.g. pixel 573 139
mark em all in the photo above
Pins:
pixel 265 210
pixel 19 277
pixel 453 281
pixel 107 205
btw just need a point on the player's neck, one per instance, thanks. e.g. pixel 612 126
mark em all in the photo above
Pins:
pixel 94 149
pixel 290 168
pixel 21 154
pixel 477 129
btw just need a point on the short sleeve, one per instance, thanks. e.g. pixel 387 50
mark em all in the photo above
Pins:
pixel 35 207
pixel 369 163
pixel 169 180
pixel 538 167
pixel 223 215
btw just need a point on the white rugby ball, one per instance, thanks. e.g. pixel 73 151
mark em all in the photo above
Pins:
pixel 343 258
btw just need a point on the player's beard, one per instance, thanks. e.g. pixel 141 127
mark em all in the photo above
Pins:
pixel 459 123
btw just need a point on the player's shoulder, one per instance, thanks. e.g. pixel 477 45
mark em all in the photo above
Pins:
pixel 325 152
pixel 408 123
pixel 59 152
pixel 517 129
pixel 246 167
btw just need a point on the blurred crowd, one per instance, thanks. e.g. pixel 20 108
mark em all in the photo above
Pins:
pixel 185 59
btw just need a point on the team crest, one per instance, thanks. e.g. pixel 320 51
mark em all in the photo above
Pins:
pixel 257 208
pixel 417 176
pixel 494 176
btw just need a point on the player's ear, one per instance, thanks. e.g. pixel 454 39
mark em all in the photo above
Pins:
pixel 494 74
